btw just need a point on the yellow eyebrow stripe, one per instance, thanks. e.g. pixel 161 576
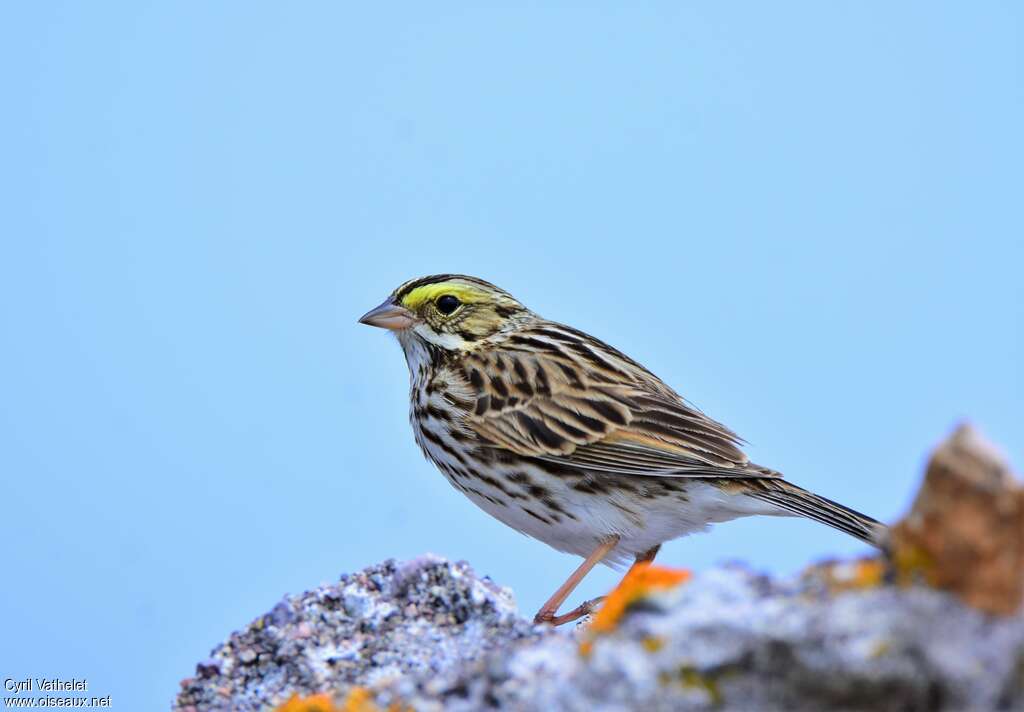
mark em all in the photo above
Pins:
pixel 421 295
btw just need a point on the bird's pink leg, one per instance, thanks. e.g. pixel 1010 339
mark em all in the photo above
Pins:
pixel 587 607
pixel 547 612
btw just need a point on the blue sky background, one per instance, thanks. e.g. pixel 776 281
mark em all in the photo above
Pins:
pixel 806 217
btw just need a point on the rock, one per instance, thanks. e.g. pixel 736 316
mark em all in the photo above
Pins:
pixel 733 640
pixel 436 637
pixel 355 632
pixel 965 530
pixel 943 633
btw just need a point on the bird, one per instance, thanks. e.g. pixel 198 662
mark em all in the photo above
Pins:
pixel 568 440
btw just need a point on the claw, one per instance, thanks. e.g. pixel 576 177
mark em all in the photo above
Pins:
pixel 582 610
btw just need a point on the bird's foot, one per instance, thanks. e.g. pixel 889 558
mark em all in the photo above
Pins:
pixel 584 609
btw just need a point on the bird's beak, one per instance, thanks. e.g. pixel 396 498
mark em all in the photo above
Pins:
pixel 389 316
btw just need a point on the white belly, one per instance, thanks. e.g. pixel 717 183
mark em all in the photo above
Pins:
pixel 552 509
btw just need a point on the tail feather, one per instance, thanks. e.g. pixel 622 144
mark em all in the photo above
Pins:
pixel 803 503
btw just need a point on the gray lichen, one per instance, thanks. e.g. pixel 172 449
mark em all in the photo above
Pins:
pixel 388 622
pixel 432 635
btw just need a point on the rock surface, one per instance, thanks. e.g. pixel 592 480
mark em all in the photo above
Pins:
pixel 965 530
pixel 388 621
pixel 431 635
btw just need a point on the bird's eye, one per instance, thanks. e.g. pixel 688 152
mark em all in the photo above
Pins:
pixel 447 304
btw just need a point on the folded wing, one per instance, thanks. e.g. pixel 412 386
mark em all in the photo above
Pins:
pixel 555 396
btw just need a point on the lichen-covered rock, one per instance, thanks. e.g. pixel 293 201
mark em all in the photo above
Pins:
pixel 391 620
pixel 733 640
pixel 431 636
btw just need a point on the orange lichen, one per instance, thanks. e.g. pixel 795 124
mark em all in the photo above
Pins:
pixel 849 576
pixel 869 573
pixel 642 580
pixel 359 699
pixel 313 703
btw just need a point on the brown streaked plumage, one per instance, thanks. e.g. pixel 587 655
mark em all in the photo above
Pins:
pixel 567 439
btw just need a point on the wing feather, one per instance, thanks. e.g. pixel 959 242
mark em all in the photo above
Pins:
pixel 556 394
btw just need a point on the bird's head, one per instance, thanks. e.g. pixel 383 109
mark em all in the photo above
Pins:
pixel 447 311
